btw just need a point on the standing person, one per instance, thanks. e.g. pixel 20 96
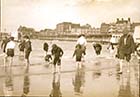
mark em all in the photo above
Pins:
pixel 78 53
pixel 21 47
pixel 4 43
pixel 126 47
pixel 83 42
pixel 57 53
pixel 10 51
pixel 27 49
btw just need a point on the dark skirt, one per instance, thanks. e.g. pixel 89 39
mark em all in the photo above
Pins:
pixel 10 52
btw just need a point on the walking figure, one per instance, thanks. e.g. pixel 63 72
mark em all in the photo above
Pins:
pixel 126 47
pixel 57 54
pixel 10 51
pixel 27 49
pixel 78 53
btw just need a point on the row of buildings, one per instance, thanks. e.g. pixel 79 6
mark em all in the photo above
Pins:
pixel 68 28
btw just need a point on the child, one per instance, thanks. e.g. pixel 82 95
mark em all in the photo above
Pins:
pixel 28 49
pixel 48 56
pixel 10 50
pixel 97 48
pixel 57 53
pixel 21 48
pixel 78 53
pixel 45 47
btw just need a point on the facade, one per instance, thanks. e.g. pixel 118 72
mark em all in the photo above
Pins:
pixel 47 32
pixel 121 24
pixel 104 28
pixel 66 27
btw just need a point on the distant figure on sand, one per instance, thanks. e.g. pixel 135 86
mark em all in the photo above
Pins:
pixel 57 53
pixel 28 49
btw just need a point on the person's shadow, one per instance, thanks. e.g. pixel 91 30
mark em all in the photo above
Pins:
pixel 79 80
pixel 26 84
pixel 56 91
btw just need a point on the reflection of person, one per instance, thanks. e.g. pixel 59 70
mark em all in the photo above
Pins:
pixel 126 47
pixel 8 85
pixel 125 89
pixel 57 53
pixel 56 92
pixel 26 85
pixel 10 50
pixel 27 49
pixel 79 81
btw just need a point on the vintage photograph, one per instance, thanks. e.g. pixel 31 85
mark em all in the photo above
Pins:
pixel 69 48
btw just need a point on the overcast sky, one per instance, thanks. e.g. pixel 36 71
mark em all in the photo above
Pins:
pixel 41 14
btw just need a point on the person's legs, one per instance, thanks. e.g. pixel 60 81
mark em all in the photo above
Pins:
pixel 121 56
pixel 10 63
pixel 128 57
pixel 27 62
pixel 54 65
pixel 59 65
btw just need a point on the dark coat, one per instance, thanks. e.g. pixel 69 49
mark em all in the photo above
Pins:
pixel 127 48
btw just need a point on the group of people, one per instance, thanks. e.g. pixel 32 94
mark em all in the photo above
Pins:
pixel 8 46
pixel 125 48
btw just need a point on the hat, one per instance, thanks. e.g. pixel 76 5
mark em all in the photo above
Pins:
pixel 27 37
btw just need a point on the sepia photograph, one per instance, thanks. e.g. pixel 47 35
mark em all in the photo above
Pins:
pixel 69 48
